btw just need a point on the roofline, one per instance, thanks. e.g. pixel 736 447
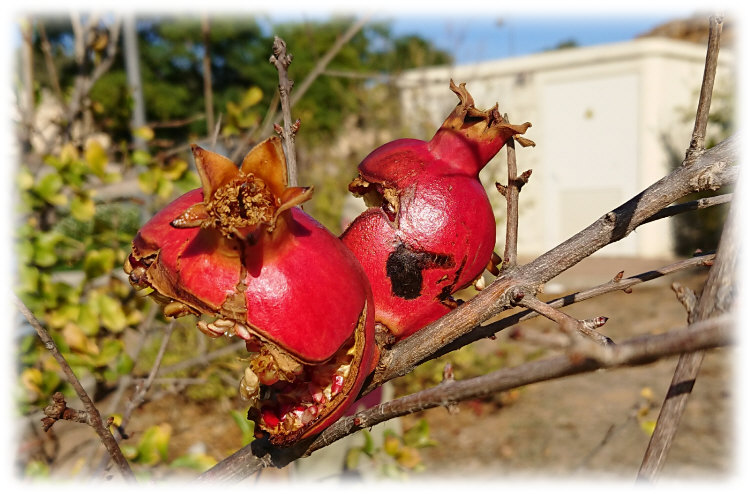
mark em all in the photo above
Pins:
pixel 567 58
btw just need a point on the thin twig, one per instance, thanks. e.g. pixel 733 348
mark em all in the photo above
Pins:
pixel 511 198
pixel 684 207
pixel 95 418
pixel 614 285
pixel 697 141
pixel 570 325
pixel 268 121
pixel 281 60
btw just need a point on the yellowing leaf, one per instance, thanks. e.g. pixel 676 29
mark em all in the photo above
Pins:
pixel 648 426
pixel 152 448
pixel 82 208
pixel 146 133
pixel 647 393
pixel 31 379
pixel 75 338
pixel 68 153
pixel 252 96
pixel 175 169
pixel 409 458
pixel 200 462
pixel 24 179
pixel 149 180
pixel 96 157
pixel 391 446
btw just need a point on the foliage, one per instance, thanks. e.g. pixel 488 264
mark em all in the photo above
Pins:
pixel 398 455
pixel 70 248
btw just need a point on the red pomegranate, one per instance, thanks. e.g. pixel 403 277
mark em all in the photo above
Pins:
pixel 429 230
pixel 239 254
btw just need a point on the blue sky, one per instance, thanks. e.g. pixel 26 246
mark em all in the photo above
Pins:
pixel 474 31
pixel 492 37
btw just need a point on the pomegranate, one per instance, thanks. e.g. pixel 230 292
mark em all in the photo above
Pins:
pixel 240 255
pixel 429 230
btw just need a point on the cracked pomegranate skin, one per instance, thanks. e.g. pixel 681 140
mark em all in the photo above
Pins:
pixel 285 283
pixel 430 228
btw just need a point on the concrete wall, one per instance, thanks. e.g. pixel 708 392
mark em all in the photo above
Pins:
pixel 601 117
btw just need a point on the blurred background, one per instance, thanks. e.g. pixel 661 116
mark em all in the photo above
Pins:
pixel 106 105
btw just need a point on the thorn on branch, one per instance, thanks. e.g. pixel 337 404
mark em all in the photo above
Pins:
pixel 502 189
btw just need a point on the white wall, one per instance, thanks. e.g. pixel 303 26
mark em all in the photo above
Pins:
pixel 600 116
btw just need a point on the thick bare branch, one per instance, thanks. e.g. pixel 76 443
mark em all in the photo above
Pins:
pixel 717 297
pixel 710 170
pixel 637 351
pixel 94 418
pixel 613 285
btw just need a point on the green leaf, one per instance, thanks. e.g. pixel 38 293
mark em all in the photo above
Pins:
pixel 82 207
pixel 148 180
pixel 369 447
pixel 141 157
pixel 247 427
pixel 99 262
pixel 88 317
pixel 96 157
pixel 152 448
pixel 164 188
pixel 200 462
pixel 36 469
pixel 352 458
pixel 419 435
pixel 111 313
pixel 124 365
pixel 45 254
pixel 48 188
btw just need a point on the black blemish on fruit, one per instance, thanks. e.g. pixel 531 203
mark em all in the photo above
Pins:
pixel 404 268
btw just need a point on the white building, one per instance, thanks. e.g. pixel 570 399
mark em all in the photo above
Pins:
pixel 601 119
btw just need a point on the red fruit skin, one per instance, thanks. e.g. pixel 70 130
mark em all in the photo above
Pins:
pixel 297 286
pixel 443 234
pixel 305 293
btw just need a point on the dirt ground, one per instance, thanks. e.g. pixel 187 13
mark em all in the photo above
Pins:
pixel 592 426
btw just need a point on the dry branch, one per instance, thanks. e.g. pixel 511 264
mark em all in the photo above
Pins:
pixel 707 171
pixel 637 351
pixel 94 419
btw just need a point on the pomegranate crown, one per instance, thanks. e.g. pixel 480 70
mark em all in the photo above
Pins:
pixel 238 200
pixel 484 132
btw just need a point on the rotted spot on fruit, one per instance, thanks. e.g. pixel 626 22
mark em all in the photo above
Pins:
pixel 404 268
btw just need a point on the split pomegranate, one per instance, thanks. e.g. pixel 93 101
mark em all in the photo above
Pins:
pixel 240 255
pixel 429 230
